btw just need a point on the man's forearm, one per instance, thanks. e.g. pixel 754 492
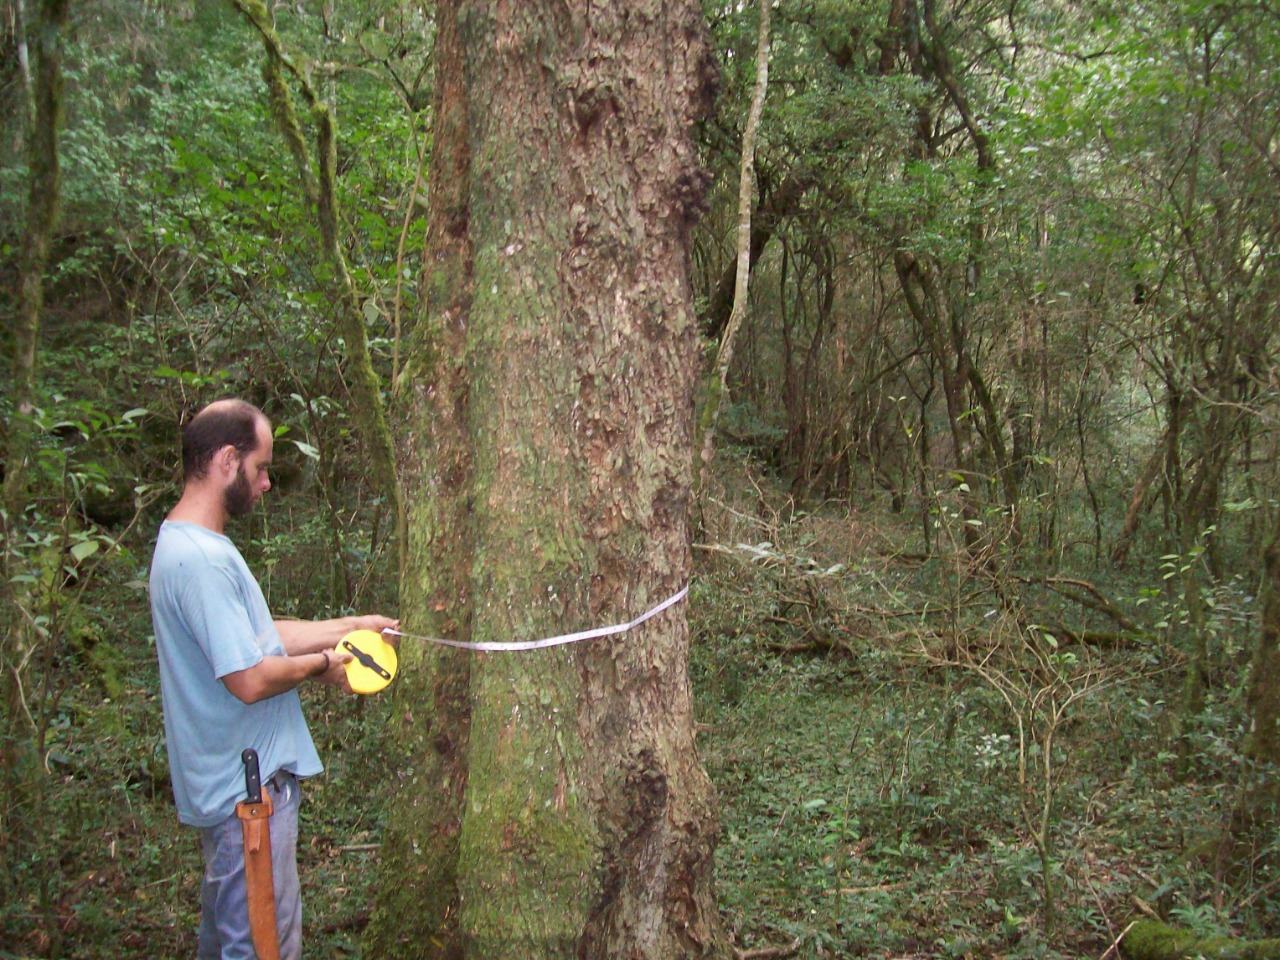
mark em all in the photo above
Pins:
pixel 274 675
pixel 313 636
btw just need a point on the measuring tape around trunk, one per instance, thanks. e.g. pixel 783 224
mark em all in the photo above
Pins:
pixel 499 646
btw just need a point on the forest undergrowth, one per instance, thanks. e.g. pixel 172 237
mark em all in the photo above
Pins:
pixel 910 761
pixel 919 757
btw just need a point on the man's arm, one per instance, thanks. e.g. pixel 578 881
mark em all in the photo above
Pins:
pixel 314 636
pixel 275 675
pixel 310 646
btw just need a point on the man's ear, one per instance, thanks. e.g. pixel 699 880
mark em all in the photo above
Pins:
pixel 227 460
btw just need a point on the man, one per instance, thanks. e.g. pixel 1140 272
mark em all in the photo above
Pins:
pixel 229 675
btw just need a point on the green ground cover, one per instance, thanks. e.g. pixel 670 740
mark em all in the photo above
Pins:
pixel 879 753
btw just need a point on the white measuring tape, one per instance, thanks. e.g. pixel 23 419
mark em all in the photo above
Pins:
pixel 499 646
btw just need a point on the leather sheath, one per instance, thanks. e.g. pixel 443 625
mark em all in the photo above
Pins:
pixel 255 823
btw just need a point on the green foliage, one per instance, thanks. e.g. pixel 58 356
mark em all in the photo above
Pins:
pixel 184 270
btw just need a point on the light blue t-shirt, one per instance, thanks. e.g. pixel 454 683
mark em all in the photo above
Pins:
pixel 211 619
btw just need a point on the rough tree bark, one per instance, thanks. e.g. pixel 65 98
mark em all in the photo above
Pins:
pixel 551 803
pixel 418 907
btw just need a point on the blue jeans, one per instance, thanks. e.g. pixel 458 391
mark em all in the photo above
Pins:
pixel 224 904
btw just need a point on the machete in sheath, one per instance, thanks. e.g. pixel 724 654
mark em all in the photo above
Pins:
pixel 255 816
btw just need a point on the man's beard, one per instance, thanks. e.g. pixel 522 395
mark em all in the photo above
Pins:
pixel 238 498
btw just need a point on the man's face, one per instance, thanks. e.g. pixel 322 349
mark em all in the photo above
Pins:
pixel 239 498
pixel 252 479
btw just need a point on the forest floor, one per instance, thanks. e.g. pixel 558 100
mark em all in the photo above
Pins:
pixel 921 758
pixel 908 765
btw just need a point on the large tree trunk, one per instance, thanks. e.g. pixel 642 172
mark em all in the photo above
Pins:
pixel 551 802
pixel 418 911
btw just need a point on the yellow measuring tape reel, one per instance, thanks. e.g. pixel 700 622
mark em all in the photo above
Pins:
pixel 373 661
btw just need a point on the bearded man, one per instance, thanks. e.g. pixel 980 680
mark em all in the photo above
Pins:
pixel 229 676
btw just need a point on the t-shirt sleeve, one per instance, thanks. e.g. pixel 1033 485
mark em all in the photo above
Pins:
pixel 219 621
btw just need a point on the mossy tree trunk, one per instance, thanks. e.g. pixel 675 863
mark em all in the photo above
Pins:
pixel 319 183
pixel 418 906
pixel 551 803
pixel 44 189
pixel 1262 705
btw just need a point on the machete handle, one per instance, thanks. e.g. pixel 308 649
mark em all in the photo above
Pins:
pixel 252 778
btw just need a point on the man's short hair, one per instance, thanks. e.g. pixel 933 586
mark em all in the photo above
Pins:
pixel 222 422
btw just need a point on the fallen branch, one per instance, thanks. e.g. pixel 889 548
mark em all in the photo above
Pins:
pixel 816 645
pixel 874 888
pixel 1095 599
pixel 1116 942
pixel 1095 638
pixel 763 953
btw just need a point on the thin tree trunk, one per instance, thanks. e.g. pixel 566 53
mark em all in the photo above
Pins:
pixel 921 288
pixel 718 387
pixel 771 210
pixel 1198 516
pixel 44 188
pixel 43 195
pixel 1261 748
pixel 319 186
pixel 1140 497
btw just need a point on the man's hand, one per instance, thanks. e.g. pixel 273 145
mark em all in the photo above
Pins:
pixel 375 622
pixel 336 675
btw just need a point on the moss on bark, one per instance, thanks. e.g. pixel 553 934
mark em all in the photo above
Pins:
pixel 20 774
pixel 418 908
pixel 1152 940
